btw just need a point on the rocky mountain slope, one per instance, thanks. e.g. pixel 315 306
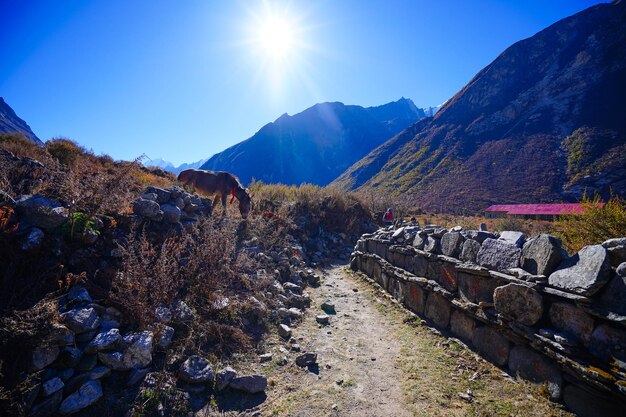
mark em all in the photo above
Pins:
pixel 169 167
pixel 316 145
pixel 11 123
pixel 541 123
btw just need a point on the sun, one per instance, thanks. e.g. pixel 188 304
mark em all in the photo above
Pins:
pixel 276 37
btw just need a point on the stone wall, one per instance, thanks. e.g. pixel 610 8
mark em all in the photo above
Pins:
pixel 557 321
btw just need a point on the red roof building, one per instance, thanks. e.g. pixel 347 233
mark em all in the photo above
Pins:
pixel 536 211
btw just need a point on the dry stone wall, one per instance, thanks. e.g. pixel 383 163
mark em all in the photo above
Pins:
pixel 523 304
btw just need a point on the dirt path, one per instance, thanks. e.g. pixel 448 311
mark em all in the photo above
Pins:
pixel 377 360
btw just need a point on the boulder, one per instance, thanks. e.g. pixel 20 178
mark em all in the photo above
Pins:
pixel 148 209
pixel 107 340
pixel 60 335
pixel 513 237
pixel 498 255
pixel 163 314
pixel 165 337
pixel 451 244
pixel 51 386
pixel 78 295
pixel 608 342
pixel 519 302
pixel 541 255
pixel 584 273
pixel 81 320
pixel 99 372
pixel 138 353
pixel 69 357
pixel 113 360
pixel 171 213
pixel 251 384
pixel 568 318
pixel 438 310
pixel 182 312
pixel 469 250
pixel 163 196
pixel 534 367
pixel 329 307
pixel 478 235
pixel 613 295
pixel 44 356
pixel 323 319
pixel 616 249
pixel 196 370
pixel 42 212
pixel 284 331
pixel 306 359
pixel 86 395
pixel 492 344
pixel 224 378
pixel 419 241
pixel 432 245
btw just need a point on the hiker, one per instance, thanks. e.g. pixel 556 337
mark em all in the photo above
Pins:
pixel 388 217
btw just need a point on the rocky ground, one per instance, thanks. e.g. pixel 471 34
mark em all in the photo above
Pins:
pixel 374 358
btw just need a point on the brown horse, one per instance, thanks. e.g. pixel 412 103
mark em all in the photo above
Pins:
pixel 220 184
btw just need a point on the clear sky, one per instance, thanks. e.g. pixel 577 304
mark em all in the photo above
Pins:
pixel 183 80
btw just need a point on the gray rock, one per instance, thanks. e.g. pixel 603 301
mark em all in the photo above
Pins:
pixel 78 295
pixel 516 238
pixel 165 337
pixel 182 312
pixel 171 213
pixel 621 270
pixel 306 359
pixel 470 250
pixel 438 310
pixel 86 395
pixel 51 386
pixel 462 325
pixel 478 235
pixel 163 314
pixel 432 245
pixel 536 368
pixel 104 341
pixel 138 353
pixel 266 357
pixel 250 383
pixel 99 372
pixel 498 255
pixel 519 302
pixel 41 212
pixel 419 241
pixel 81 320
pixel 451 244
pixel 613 295
pixel 568 318
pixel 328 306
pixel 32 240
pixel 44 356
pixel 296 289
pixel 584 273
pixel 136 376
pixel 163 196
pixel 61 335
pixel 482 227
pixel 616 249
pixel 149 196
pixel 608 342
pixel 284 331
pixel 113 360
pixel 323 319
pixel 69 357
pixel 541 255
pixel 224 377
pixel 492 344
pixel 196 370
pixel 148 209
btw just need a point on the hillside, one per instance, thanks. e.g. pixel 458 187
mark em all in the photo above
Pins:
pixel 169 167
pixel 541 123
pixel 316 145
pixel 11 123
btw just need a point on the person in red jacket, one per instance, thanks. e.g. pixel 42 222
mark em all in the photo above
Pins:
pixel 388 217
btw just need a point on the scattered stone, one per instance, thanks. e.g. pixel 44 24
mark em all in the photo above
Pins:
pixel 284 331
pixel 171 213
pixel 306 359
pixel 182 312
pixel 165 337
pixel 44 356
pixel 99 372
pixel 282 361
pixel 329 307
pixel 138 353
pixel 291 287
pixel 81 320
pixel 266 357
pixel 163 314
pixel 41 212
pixel 224 377
pixel 148 209
pixel 250 383
pixel 584 273
pixel 513 237
pixel 323 319
pixel 451 244
pixel 51 386
pixel 295 347
pixel 470 250
pixel 519 302
pixel 87 394
pixel 196 370
pixel 104 341
pixel 498 255
pixel 541 255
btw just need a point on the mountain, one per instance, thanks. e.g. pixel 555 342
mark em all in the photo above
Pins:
pixel 541 123
pixel 316 145
pixel 168 166
pixel 11 123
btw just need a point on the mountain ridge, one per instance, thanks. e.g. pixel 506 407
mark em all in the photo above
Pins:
pixel 10 122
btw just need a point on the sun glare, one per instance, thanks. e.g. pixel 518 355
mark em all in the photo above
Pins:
pixel 276 37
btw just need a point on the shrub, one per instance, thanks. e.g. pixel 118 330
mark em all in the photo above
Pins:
pixel 597 223
pixel 64 150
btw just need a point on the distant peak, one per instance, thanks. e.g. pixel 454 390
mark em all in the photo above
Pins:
pixel 282 117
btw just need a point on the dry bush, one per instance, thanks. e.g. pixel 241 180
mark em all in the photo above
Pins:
pixel 597 223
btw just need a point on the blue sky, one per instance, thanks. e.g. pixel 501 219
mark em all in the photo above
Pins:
pixel 183 80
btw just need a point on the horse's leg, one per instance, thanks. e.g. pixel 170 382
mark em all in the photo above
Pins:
pixel 224 197
pixel 215 200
